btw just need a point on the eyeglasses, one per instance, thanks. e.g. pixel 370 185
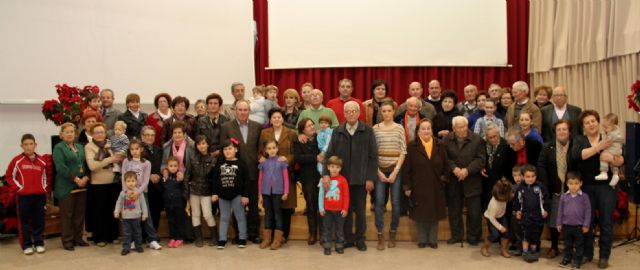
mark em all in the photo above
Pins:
pixel 351 111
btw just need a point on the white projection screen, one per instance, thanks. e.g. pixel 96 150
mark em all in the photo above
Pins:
pixel 189 48
pixel 369 33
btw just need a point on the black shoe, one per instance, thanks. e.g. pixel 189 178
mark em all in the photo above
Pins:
pixel 565 262
pixel 349 245
pixel 454 241
pixel 327 251
pixel 340 250
pixel 603 263
pixel 575 266
pixel 422 245
pixel 473 243
pixel 513 246
pixel 242 243
pixel 124 251
pixel 586 260
pixel 362 246
pixel 517 252
pixel 68 247
pixel 221 244
pixel 139 249
pixel 433 245
pixel 81 243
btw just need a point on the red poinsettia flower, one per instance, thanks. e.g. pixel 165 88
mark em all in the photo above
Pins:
pixel 633 99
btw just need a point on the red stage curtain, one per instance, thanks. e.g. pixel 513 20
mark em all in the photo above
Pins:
pixel 399 78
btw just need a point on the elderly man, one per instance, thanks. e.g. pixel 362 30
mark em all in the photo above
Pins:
pixel 316 110
pixel 426 109
pixel 247 133
pixel 559 110
pixel 521 150
pixel 355 143
pixel 495 167
pixel 520 91
pixel 411 117
pixel 467 154
pixel 469 105
pixel 495 92
pixel 237 90
pixel 434 95
pixel 337 104
pixel 109 113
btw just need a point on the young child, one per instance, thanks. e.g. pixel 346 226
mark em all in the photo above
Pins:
pixel 29 177
pixel 271 94
pixel 260 106
pixel 131 209
pixel 489 117
pixel 198 187
pixel 531 210
pixel 324 136
pixel 174 203
pixel 230 191
pixel 497 220
pixel 515 232
pixel 333 206
pixel 142 167
pixel 611 130
pixel 273 187
pixel 574 218
pixel 119 142
pixel 94 104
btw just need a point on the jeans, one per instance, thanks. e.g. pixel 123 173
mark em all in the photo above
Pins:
pixel 147 225
pixel 381 193
pixel 573 237
pixel 272 205
pixel 332 220
pixel 474 213
pixel 427 232
pixel 226 206
pixel 30 208
pixel 494 233
pixel 357 207
pixel 132 232
pixel 603 198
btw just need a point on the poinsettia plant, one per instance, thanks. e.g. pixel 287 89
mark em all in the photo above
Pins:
pixel 71 102
pixel 634 97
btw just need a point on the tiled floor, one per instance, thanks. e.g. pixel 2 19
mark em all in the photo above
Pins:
pixel 294 255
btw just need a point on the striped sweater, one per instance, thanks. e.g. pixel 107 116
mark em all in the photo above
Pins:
pixel 391 145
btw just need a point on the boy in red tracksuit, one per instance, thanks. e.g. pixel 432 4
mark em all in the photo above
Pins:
pixel 30 179
pixel 334 206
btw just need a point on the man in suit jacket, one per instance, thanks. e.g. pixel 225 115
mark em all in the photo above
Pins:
pixel 560 110
pixel 109 113
pixel 247 132
pixel 520 91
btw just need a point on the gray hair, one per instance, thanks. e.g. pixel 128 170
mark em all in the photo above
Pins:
pixel 491 126
pixel 521 86
pixel 416 101
pixel 145 128
pixel 106 90
pixel 233 85
pixel 350 104
pixel 514 134
pixel 459 119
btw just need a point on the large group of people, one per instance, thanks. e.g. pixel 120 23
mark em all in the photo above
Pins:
pixel 517 157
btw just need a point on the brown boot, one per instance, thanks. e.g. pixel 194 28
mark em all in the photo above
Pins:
pixel 504 248
pixel 277 240
pixel 485 248
pixel 266 238
pixel 380 241
pixel 392 239
pixel 313 238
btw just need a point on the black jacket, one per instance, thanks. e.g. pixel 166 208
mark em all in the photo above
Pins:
pixel 211 130
pixel 199 177
pixel 359 153
pixel 533 152
pixel 548 167
pixel 498 168
pixel 472 156
pixel 134 125
pixel 531 200
pixel 573 113
pixel 153 154
pixel 305 154
pixel 189 127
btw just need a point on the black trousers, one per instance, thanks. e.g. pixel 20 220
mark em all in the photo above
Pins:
pixel 176 218
pixel 474 213
pixel 253 216
pixel 31 219
pixel 531 230
pixel 103 198
pixel 310 190
pixel 573 238
pixel 357 207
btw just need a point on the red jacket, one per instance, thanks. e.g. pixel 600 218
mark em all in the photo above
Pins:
pixel 26 177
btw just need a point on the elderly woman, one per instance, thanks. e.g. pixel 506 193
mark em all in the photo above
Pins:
pixel 442 122
pixel 285 138
pixel 553 165
pixel 542 95
pixel 410 118
pixel 291 111
pixel 379 94
pixel 162 113
pixel 423 175
pixel 466 154
pixel 89 118
pixel 153 154
pixel 521 150
pixel 306 155
pixel 210 124
pixel 180 105
pixel 70 186
pixel 104 187
pixel 392 148
pixel 495 167
pixel 587 152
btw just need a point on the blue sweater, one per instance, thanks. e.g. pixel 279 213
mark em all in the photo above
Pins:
pixel 273 178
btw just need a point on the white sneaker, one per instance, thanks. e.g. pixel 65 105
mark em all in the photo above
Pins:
pixel 133 245
pixel 155 245
pixel 40 249
pixel 602 176
pixel 28 251
pixel 614 180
